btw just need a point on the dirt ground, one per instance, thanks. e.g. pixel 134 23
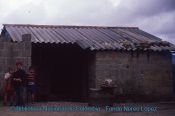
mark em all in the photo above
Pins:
pixel 148 109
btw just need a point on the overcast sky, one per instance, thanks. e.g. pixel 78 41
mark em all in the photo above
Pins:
pixel 154 16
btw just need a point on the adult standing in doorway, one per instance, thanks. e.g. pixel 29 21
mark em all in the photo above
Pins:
pixel 19 81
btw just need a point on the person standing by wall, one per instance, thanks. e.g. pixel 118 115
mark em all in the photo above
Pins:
pixel 31 85
pixel 8 89
pixel 19 81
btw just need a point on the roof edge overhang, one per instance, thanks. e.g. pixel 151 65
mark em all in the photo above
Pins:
pixel 70 26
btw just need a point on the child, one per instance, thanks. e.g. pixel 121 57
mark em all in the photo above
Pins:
pixel 31 85
pixel 9 89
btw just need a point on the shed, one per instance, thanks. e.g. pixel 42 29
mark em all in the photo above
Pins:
pixel 71 59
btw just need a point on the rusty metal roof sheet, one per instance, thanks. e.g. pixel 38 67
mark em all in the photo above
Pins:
pixel 89 37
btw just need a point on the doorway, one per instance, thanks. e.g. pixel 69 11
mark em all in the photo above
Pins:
pixel 62 72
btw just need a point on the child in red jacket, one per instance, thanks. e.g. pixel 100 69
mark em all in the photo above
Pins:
pixel 31 85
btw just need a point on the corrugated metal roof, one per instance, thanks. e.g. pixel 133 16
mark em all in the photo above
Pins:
pixel 89 37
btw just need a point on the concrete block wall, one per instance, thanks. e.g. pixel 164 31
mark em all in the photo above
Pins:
pixel 139 73
pixel 5 61
pixel 22 51
pixel 10 53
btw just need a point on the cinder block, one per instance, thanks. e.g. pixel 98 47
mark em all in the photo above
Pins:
pixel 28 45
pixel 1 45
pixel 18 46
pixel 26 38
pixel 7 45
pixel 17 53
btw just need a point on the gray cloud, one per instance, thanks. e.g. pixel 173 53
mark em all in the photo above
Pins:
pixel 152 7
pixel 27 14
pixel 154 16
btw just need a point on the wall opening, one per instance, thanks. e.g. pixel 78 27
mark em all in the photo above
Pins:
pixel 173 66
pixel 62 71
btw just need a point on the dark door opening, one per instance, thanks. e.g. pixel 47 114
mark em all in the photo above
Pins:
pixel 62 71
pixel 173 68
